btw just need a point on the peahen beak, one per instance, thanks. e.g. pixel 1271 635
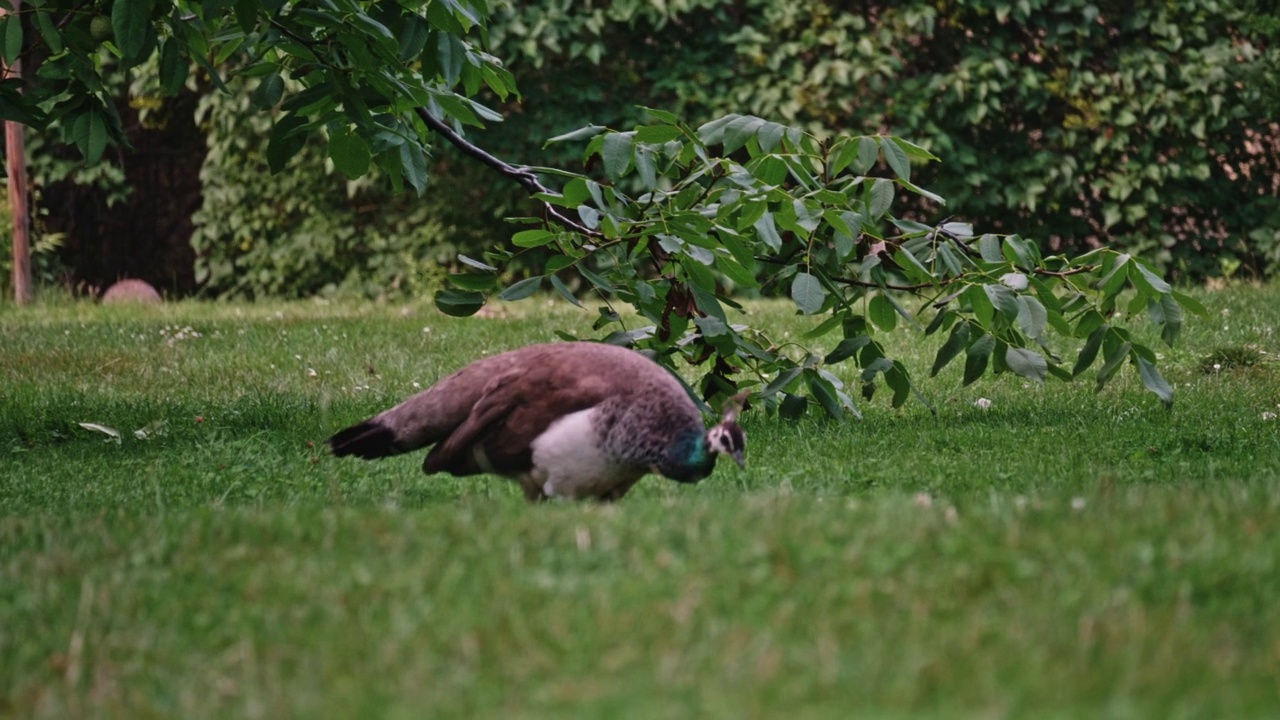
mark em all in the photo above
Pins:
pixel 738 458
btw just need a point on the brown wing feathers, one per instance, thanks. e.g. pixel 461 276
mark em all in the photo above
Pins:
pixel 502 403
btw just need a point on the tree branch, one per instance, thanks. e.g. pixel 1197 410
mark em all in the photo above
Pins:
pixel 525 177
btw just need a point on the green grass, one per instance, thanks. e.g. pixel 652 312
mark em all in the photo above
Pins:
pixel 1060 554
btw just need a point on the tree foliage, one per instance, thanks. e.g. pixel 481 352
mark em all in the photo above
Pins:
pixel 1145 127
pixel 714 210
pixel 674 219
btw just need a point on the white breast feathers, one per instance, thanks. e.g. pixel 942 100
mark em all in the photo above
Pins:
pixel 569 462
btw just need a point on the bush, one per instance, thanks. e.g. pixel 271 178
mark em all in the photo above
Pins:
pixel 305 231
pixel 1144 128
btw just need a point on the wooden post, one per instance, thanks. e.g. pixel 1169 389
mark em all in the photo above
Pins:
pixel 16 165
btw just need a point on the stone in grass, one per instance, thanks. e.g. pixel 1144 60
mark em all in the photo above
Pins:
pixel 131 291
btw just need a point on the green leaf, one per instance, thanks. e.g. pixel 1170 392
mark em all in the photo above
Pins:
pixel 658 134
pixel 470 262
pixel 896 157
pixel 661 116
pixel 414 163
pixel 881 312
pixel 174 68
pixel 989 247
pixel 52 38
pixel 792 407
pixel 704 294
pixel 129 21
pixel 1147 281
pixel 522 289
pixel 472 281
pixel 616 154
pixel 582 133
pixel 1090 321
pixel 739 130
pixel 1002 299
pixel 12 38
pixel 741 277
pixel 868 151
pixel 413 39
pixel 843 153
pixel 269 91
pixel 980 303
pixel 556 263
pixel 603 285
pixel 833 321
pixel 646 168
pixel 459 303
pixel 1089 352
pixel 247 15
pixel 1154 381
pixel 899 382
pixel 1113 281
pixel 784 378
pixel 976 357
pixel 285 141
pixel 1191 304
pixel 915 151
pixel 825 393
pixel 452 55
pixel 770 169
pixel 880 364
pixel 712 132
pixel 808 293
pixel 768 232
pixel 958 340
pixel 532 238
pixel 89 132
pixel 911 266
pixel 349 152
pixel 1027 363
pixel 1166 313
pixel 770 135
pixel 881 198
pixel 1032 317
pixel 563 289
pixel 1114 358
pixel 846 349
pixel 711 326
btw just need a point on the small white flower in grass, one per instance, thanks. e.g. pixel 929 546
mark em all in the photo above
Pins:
pixel 1268 415
pixel 1217 367
pixel 311 372
pixel 416 385
pixel 923 500
pixel 297 357
pixel 1077 504
pixel 982 403
pixel 426 329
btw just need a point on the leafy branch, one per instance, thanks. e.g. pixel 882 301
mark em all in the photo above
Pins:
pixel 680 220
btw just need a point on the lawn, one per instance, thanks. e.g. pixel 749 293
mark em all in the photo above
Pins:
pixel 1060 553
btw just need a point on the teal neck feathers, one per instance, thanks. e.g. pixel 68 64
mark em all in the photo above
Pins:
pixel 688 459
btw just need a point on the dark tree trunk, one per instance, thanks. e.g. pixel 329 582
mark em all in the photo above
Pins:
pixel 147 235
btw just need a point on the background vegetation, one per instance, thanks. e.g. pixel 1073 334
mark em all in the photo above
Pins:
pixel 1147 128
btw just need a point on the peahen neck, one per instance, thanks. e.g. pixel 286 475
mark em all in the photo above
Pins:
pixel 688 459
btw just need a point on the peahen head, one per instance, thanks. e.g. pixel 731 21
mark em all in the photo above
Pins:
pixel 693 456
pixel 727 438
